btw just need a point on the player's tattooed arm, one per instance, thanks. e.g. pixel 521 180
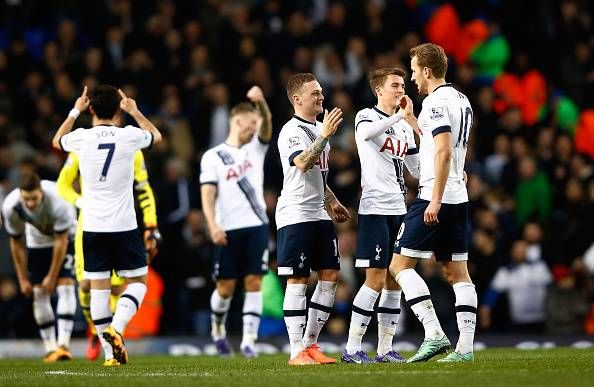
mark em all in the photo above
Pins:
pixel 307 159
pixel 256 95
pixel 335 209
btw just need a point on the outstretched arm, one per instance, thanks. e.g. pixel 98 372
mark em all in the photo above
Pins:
pixel 368 130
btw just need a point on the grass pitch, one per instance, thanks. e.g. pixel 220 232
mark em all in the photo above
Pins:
pixel 492 367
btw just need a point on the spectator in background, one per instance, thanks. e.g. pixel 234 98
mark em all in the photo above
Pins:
pixel 566 306
pixel 525 284
pixel 533 195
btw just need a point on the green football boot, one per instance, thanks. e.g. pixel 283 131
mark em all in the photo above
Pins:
pixel 430 348
pixel 457 357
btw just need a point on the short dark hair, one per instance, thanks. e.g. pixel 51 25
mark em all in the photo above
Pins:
pixel 295 83
pixel 378 77
pixel 105 101
pixel 432 56
pixel 240 108
pixel 29 182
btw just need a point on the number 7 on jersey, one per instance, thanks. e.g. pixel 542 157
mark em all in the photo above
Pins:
pixel 110 149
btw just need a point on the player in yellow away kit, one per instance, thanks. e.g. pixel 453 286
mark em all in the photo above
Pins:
pixel 152 238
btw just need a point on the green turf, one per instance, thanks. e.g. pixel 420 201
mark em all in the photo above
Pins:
pixel 494 367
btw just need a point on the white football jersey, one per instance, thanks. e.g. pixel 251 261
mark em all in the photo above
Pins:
pixel 106 155
pixel 302 196
pixel 238 174
pixel 446 109
pixel 382 165
pixel 53 215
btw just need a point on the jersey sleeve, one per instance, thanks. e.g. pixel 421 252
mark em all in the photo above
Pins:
pixel 140 138
pixel 68 175
pixel 290 144
pixel 439 117
pixel 71 142
pixel 15 226
pixel 361 117
pixel 144 191
pixel 208 169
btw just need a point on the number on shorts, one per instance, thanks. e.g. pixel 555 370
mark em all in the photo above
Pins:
pixel 68 262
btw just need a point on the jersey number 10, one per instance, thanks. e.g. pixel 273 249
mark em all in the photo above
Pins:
pixel 465 124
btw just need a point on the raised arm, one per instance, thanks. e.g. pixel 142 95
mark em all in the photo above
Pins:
pixel 256 95
pixel 307 159
pixel 81 104
pixel 128 105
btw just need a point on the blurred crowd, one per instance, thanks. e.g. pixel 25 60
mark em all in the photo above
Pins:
pixel 531 181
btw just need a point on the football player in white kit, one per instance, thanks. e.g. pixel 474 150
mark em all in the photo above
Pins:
pixel 306 239
pixel 385 143
pixel 232 179
pixel 36 217
pixel 111 239
pixel 437 221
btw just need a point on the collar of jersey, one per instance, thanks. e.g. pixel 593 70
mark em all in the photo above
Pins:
pixel 444 85
pixel 231 146
pixel 302 120
pixel 380 112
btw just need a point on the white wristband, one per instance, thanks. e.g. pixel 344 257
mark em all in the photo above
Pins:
pixel 74 113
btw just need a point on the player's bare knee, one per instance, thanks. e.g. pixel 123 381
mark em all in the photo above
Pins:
pixel 375 279
pixel 253 283
pixel 329 275
pixel 84 286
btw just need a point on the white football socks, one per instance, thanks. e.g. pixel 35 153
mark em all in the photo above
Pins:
pixel 466 303
pixel 320 307
pixel 295 311
pixel 363 305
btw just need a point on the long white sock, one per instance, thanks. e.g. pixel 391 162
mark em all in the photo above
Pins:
pixel 219 307
pixel 252 309
pixel 102 317
pixel 128 305
pixel 295 311
pixel 466 303
pixel 44 317
pixel 363 305
pixel 65 309
pixel 419 300
pixel 320 307
pixel 388 313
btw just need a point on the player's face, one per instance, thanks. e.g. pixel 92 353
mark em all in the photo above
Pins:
pixel 418 76
pixel 391 91
pixel 248 124
pixel 311 98
pixel 31 199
